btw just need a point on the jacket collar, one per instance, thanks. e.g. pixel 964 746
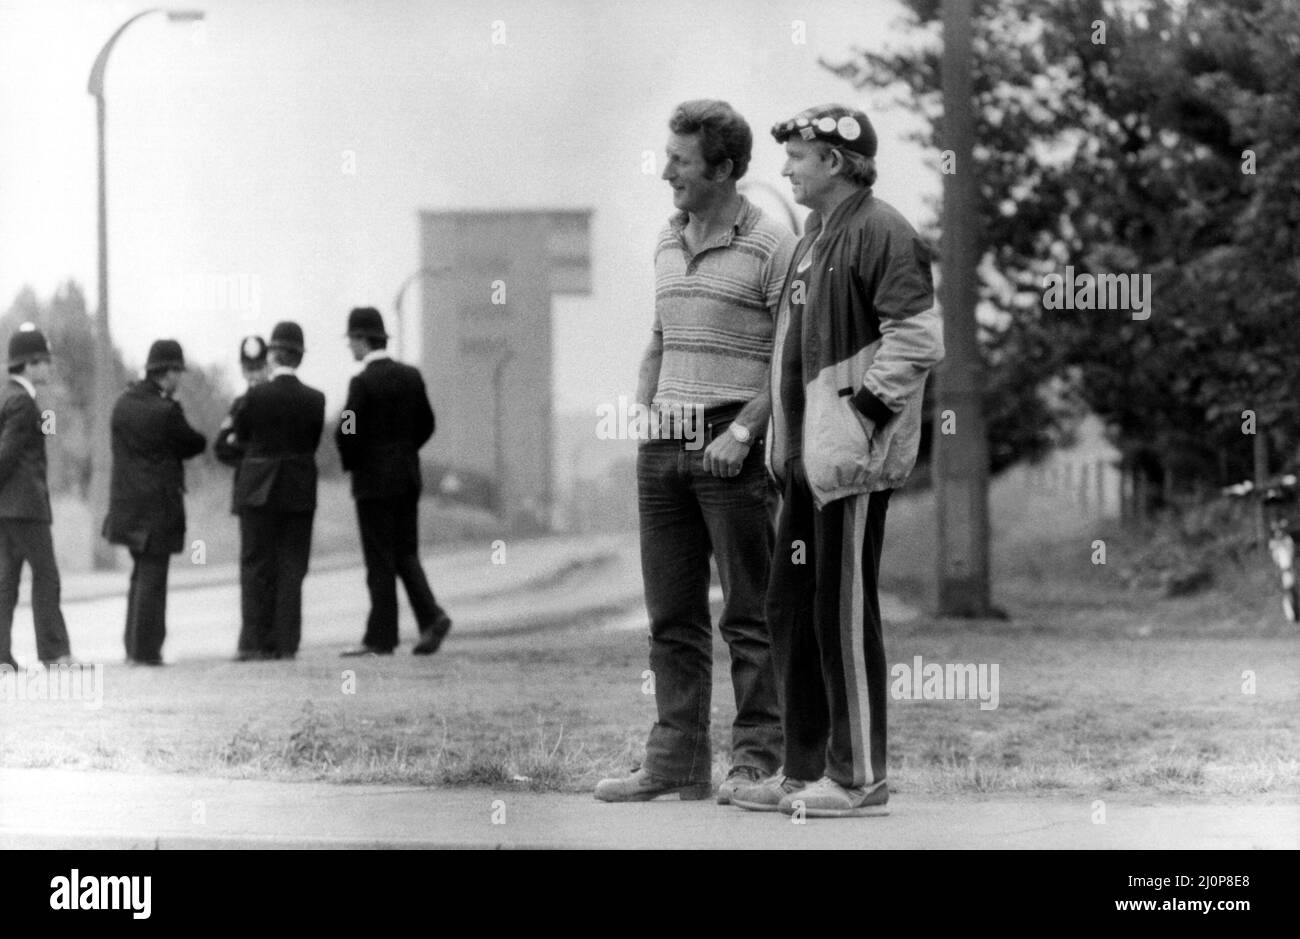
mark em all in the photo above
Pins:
pixel 815 223
pixel 27 385
pixel 374 355
pixel 149 386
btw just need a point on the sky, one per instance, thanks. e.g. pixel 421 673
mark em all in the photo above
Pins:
pixel 269 163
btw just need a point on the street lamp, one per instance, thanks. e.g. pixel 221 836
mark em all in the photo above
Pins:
pixel 105 556
pixel 498 410
pixel 398 332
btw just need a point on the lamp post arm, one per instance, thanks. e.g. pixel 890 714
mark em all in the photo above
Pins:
pixel 96 84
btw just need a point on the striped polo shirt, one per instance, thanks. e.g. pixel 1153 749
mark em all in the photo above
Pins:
pixel 715 310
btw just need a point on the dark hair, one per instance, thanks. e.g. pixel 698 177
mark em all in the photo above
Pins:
pixel 282 356
pixel 18 368
pixel 723 133
pixel 376 342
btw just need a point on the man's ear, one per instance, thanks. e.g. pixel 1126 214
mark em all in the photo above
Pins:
pixel 723 170
pixel 837 160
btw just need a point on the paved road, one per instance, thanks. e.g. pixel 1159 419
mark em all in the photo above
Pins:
pixel 115 810
pixel 542 583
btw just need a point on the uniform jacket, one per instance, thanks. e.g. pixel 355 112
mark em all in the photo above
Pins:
pixel 871 334
pixel 24 493
pixel 389 417
pixel 146 508
pixel 278 425
pixel 230 450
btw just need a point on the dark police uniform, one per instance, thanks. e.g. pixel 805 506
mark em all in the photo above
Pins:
pixel 230 451
pixel 279 426
pixel 25 510
pixel 146 509
pixel 386 419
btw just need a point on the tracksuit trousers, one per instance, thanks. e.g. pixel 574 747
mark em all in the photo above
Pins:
pixel 827 642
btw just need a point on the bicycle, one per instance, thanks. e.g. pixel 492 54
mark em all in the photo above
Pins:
pixel 1279 497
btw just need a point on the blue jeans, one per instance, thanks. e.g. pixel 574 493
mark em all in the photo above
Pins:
pixel 686 515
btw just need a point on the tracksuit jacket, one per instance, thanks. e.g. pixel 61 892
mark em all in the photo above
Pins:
pixel 871 334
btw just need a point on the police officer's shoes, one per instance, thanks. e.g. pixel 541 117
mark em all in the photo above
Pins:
pixel 641 786
pixel 828 799
pixel 364 650
pixel 431 638
pixel 766 796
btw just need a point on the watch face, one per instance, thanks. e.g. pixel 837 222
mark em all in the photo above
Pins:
pixel 741 432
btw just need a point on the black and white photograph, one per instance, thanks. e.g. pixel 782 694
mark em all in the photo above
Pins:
pixel 755 425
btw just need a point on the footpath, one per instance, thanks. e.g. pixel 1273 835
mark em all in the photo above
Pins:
pixel 117 810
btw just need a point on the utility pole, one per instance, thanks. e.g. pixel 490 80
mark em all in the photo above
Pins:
pixel 105 557
pixel 961 458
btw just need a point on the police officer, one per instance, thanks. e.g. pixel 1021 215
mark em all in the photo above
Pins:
pixel 25 502
pixel 230 451
pixel 146 508
pixel 386 419
pixel 279 427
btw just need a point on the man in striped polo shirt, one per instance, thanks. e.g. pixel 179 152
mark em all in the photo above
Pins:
pixel 719 267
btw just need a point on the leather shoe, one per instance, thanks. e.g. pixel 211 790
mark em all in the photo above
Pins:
pixel 251 656
pixel 641 786
pixel 364 650
pixel 431 638
pixel 739 777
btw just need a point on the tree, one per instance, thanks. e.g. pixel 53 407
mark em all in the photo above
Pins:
pixel 1123 150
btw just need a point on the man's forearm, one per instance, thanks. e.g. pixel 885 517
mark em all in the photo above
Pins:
pixel 648 382
pixel 754 415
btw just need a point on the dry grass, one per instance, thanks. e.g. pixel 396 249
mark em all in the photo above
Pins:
pixel 1102 689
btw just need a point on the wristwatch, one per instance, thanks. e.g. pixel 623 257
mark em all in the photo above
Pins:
pixel 741 432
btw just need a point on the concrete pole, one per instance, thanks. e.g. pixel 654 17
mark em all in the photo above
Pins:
pixel 961 459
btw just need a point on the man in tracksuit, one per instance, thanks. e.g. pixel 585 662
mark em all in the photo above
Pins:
pixel 857 333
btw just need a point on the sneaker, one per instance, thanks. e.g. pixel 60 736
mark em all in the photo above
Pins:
pixel 828 799
pixel 766 796
pixel 738 778
pixel 641 786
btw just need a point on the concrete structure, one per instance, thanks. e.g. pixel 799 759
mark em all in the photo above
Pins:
pixel 486 345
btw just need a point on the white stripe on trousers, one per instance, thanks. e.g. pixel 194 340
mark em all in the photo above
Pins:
pixel 853 651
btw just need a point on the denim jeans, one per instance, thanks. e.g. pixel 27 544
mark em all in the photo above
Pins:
pixel 687 514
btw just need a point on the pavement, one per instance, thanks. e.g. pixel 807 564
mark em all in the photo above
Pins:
pixel 98 810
